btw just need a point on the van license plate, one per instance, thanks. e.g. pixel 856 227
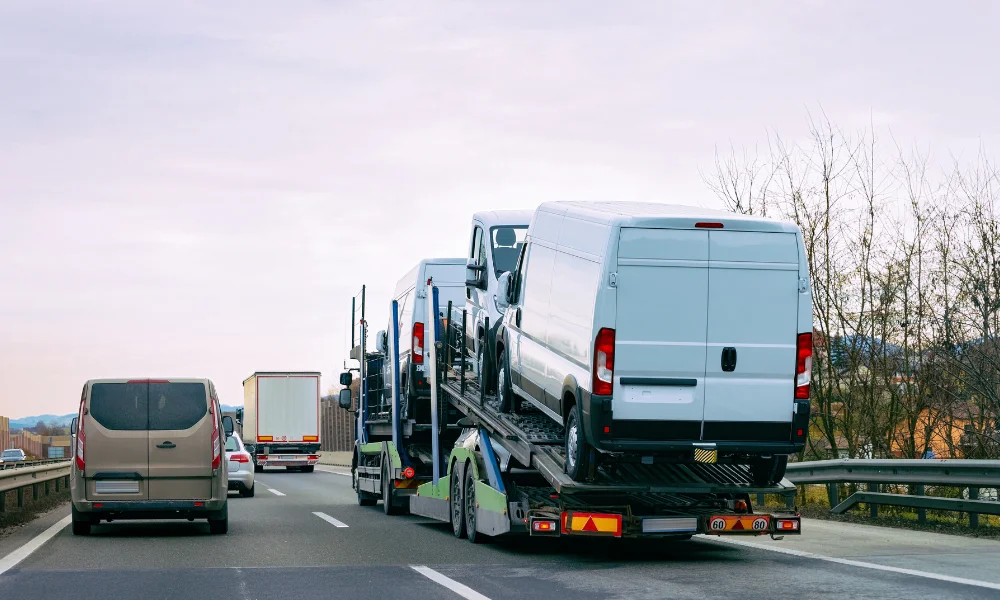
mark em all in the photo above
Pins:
pixel 115 486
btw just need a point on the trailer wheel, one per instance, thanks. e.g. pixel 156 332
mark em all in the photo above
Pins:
pixel 577 448
pixel 470 507
pixel 457 504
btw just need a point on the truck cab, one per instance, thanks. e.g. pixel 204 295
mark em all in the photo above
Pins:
pixel 496 240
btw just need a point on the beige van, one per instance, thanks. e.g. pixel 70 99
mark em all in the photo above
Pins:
pixel 149 449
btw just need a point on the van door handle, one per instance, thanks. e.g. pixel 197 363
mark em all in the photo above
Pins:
pixel 729 359
pixel 166 445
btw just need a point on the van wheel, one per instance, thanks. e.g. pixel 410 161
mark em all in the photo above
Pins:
pixel 577 448
pixel 457 506
pixel 220 526
pixel 81 526
pixel 768 471
pixel 508 401
pixel 483 371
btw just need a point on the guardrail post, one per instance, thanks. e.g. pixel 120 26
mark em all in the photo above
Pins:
pixel 20 497
pixel 833 494
pixel 3 502
pixel 47 491
pixel 973 517
pixel 918 490
pixel 790 499
pixel 761 500
pixel 873 508
pixel 34 492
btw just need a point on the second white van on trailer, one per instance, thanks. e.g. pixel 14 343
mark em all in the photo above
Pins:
pixel 661 330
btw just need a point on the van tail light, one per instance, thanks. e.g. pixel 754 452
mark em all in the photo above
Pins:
pixel 81 441
pixel 604 362
pixel 418 343
pixel 216 450
pixel 803 365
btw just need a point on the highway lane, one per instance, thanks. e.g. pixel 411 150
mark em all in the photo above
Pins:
pixel 278 547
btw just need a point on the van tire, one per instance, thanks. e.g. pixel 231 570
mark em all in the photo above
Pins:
pixel 220 526
pixel 484 373
pixel 577 448
pixel 81 526
pixel 768 471
pixel 508 401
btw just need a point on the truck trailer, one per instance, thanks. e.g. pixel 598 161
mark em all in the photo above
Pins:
pixel 280 425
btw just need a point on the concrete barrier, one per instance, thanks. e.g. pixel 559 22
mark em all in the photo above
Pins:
pixel 337 459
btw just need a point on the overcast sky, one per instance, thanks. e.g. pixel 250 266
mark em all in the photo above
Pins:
pixel 198 188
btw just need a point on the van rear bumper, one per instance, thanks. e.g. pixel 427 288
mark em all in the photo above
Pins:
pixel 604 433
pixel 151 509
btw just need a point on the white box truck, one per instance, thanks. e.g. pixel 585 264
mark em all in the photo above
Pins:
pixel 280 424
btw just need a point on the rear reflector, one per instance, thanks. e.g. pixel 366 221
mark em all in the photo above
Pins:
pixel 310 438
pixel 264 438
pixel 313 457
pixel 599 524
pixel 543 526
pixel 199 504
pixel 408 473
pixel 707 225
pixel 98 505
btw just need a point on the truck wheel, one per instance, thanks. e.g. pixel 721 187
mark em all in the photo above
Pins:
pixel 387 504
pixel 508 401
pixel 768 471
pixel 457 505
pixel 469 493
pixel 257 468
pixel 364 498
pixel 577 448
pixel 81 526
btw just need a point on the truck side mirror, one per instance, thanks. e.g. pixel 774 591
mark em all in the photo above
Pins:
pixel 239 415
pixel 475 275
pixel 227 425
pixel 503 291
pixel 345 379
pixel 381 342
pixel 344 399
pixel 72 426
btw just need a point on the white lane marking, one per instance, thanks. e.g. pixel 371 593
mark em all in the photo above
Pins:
pixel 330 519
pixel 863 565
pixel 460 589
pixel 8 562
pixel 274 491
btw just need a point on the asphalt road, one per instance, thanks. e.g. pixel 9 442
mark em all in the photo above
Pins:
pixel 277 547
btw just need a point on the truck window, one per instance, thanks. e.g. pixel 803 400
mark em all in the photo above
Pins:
pixel 507 242
pixel 120 406
pixel 176 405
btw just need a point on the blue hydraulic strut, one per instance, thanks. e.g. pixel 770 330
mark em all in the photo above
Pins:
pixel 492 466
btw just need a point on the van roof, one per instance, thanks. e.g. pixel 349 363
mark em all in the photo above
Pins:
pixel 653 214
pixel 410 279
pixel 147 378
pixel 491 218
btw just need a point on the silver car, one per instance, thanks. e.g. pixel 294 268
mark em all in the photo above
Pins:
pixel 240 467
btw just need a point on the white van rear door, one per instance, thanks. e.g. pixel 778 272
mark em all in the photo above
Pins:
pixel 753 311
pixel 660 332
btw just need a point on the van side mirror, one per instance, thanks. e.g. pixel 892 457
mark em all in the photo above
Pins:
pixel 344 399
pixel 381 342
pixel 227 425
pixel 72 426
pixel 475 275
pixel 345 379
pixel 503 291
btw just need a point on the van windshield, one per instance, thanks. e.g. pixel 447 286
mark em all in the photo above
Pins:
pixel 507 242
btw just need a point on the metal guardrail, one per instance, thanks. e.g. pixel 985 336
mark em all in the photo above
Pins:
pixel 38 478
pixel 916 474
pixel 30 463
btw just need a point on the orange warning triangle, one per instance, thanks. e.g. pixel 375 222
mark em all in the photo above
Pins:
pixel 739 525
pixel 589 525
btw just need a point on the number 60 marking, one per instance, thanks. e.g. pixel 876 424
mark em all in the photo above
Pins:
pixel 717 524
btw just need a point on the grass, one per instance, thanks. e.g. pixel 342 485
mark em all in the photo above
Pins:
pixel 14 517
pixel 813 502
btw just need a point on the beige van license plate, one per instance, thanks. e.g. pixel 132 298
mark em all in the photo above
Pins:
pixel 116 486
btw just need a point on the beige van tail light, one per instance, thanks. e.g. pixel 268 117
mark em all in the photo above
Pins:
pixel 803 365
pixel 80 441
pixel 604 362
pixel 216 452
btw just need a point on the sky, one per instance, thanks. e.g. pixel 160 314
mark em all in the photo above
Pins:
pixel 197 189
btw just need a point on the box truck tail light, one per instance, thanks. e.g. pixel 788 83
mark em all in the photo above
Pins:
pixel 81 439
pixel 803 365
pixel 216 451
pixel 604 362
pixel 787 525
pixel 418 343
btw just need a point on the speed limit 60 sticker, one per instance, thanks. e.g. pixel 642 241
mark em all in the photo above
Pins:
pixel 743 523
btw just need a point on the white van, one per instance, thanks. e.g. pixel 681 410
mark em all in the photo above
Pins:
pixel 411 294
pixel 659 330
pixel 497 237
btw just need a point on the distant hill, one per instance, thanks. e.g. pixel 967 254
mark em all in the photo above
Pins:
pixel 64 420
